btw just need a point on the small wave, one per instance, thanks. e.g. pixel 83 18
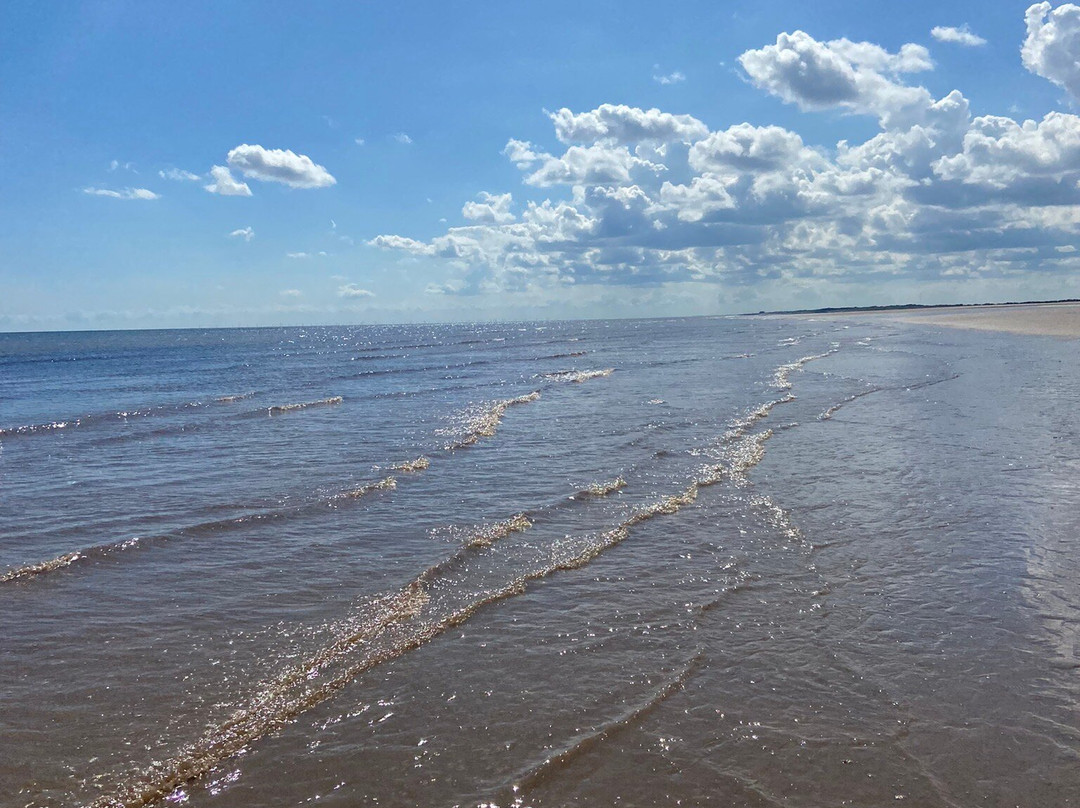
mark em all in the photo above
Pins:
pixel 481 422
pixel 231 399
pixel 66 560
pixel 104 417
pixel 831 411
pixel 487 535
pixel 402 371
pixel 552 764
pixel 385 484
pixel 778 517
pixel 322 402
pixel 666 506
pixel 741 426
pixel 571 355
pixel 200 529
pixel 385 629
pixel 746 454
pixel 600 489
pixel 577 375
pixel 781 380
pixel 409 466
pixel 31 429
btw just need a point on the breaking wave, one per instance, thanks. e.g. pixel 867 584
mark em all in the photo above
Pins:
pixel 577 375
pixel 233 398
pixel 600 489
pixel 781 380
pixel 322 402
pixel 482 421
pixel 66 560
pixel 384 629
pixel 410 466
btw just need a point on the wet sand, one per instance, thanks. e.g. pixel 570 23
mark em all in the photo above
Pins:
pixel 1044 319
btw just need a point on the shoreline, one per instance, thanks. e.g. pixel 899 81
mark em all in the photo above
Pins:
pixel 1061 319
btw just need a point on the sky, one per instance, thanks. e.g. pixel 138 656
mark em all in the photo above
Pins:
pixel 210 164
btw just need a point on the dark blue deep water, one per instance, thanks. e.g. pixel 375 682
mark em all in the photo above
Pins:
pixel 713 561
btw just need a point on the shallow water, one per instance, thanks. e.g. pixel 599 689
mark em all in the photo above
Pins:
pixel 708 561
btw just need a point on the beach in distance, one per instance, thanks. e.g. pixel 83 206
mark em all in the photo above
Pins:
pixel 806 560
pixel 1059 319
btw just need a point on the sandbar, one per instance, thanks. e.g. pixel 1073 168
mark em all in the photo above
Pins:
pixel 1043 319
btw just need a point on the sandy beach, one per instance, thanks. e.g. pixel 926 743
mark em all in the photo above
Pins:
pixel 1043 319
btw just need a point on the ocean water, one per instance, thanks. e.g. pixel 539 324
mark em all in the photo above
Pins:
pixel 713 561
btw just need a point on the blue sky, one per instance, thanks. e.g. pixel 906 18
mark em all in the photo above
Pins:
pixel 697 159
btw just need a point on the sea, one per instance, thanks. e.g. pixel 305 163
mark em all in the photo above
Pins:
pixel 731 561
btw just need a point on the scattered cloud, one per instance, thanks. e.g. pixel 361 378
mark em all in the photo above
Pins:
pixel 224 184
pixel 491 209
pixel 126 193
pixel 449 288
pixel 650 200
pixel 116 165
pixel 1052 46
pixel 178 175
pixel 670 78
pixel 619 124
pixel 402 138
pixel 580 165
pixel 359 141
pixel 279 165
pixel 957 36
pixel 246 233
pixel 402 243
pixel 351 290
pixel 860 77
pixel 293 293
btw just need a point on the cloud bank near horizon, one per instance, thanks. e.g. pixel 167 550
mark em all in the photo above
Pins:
pixel 644 197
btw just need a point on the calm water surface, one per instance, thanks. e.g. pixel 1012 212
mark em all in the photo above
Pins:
pixel 740 562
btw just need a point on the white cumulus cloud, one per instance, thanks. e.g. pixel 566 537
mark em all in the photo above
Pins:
pixel 858 76
pixel 587 165
pixel 246 233
pixel 998 152
pixel 625 125
pixel 351 290
pixel 491 209
pixel 224 184
pixel 279 165
pixel 748 148
pixel 402 243
pixel 648 200
pixel 1052 46
pixel 957 36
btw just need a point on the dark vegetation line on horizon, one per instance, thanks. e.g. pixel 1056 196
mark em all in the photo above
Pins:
pixel 905 306
pixel 823 310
